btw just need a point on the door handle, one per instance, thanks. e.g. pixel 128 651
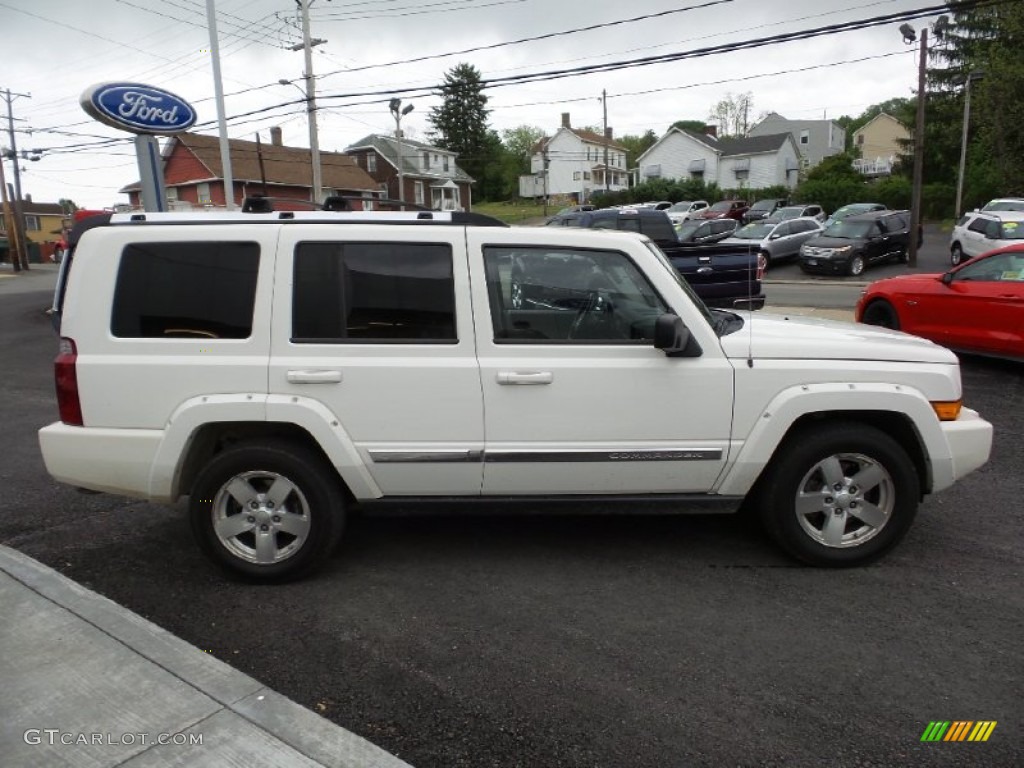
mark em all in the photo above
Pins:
pixel 314 377
pixel 528 377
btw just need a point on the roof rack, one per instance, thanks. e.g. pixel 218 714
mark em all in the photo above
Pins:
pixel 335 210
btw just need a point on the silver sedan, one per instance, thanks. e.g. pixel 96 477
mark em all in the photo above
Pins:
pixel 776 239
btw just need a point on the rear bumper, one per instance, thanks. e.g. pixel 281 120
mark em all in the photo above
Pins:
pixel 112 460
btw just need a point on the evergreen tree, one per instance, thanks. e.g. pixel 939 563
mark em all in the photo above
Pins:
pixel 460 123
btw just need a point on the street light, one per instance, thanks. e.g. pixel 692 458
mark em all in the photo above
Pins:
pixel 909 37
pixel 968 79
pixel 396 109
pixel 314 139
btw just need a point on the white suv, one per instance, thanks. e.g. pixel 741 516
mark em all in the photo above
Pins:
pixel 979 231
pixel 280 369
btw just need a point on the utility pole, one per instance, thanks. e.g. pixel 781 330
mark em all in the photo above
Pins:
pixel 12 230
pixel 218 89
pixel 19 218
pixel 971 76
pixel 604 109
pixel 915 199
pixel 314 139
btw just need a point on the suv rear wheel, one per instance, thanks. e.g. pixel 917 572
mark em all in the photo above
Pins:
pixel 842 495
pixel 270 511
pixel 956 254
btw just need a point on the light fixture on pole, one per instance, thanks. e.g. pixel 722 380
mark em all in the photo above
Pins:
pixel 968 79
pixel 909 37
pixel 399 112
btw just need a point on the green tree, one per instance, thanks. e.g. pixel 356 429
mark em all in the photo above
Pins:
pixel 637 145
pixel 520 142
pixel 696 126
pixel 459 124
pixel 68 206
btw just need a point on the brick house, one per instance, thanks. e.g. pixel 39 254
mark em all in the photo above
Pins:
pixel 194 177
pixel 430 175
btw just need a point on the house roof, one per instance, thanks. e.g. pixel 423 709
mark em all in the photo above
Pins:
pixel 290 166
pixel 387 147
pixel 749 145
pixel 41 209
pixel 879 116
pixel 583 135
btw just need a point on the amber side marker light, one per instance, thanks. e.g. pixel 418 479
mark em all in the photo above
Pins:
pixel 947 411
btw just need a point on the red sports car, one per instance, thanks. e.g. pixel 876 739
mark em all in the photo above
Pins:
pixel 977 307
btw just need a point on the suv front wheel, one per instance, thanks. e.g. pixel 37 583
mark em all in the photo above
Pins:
pixel 270 510
pixel 842 495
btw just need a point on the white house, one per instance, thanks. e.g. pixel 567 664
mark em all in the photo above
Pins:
pixel 815 139
pixel 573 163
pixel 754 163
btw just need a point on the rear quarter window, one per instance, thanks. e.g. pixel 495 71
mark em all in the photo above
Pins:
pixel 203 290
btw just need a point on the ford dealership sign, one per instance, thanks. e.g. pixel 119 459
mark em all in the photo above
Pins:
pixel 138 108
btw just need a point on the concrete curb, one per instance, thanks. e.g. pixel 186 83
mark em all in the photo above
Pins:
pixel 242 721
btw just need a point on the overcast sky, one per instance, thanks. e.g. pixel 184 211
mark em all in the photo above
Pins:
pixel 55 49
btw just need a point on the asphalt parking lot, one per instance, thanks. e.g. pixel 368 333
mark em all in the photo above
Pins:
pixel 584 639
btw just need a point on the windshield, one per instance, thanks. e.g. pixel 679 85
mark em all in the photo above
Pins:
pixel 763 205
pixel 725 205
pixel 697 301
pixel 1005 205
pixel 849 230
pixel 787 213
pixel 683 206
pixel 753 232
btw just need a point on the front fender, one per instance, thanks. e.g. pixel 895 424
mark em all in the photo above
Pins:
pixel 754 451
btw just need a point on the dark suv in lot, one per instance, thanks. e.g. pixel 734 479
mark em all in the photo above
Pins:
pixel 846 247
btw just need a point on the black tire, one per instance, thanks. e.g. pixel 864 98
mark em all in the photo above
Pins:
pixel 956 254
pixel 290 544
pixel 856 266
pixel 845 451
pixel 881 312
pixel 903 257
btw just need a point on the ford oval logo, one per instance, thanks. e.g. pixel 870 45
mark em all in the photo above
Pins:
pixel 138 108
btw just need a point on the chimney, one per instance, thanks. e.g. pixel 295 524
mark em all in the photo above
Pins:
pixel 608 133
pixel 275 136
pixel 565 120
pixel 711 130
pixel 28 198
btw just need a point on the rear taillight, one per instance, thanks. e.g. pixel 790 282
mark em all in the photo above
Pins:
pixel 67 383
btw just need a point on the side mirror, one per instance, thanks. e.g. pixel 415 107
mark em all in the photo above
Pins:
pixel 947 278
pixel 673 337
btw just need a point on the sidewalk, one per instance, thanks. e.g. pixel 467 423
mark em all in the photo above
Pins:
pixel 87 682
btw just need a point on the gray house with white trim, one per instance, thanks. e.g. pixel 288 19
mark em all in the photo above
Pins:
pixel 731 163
pixel 815 139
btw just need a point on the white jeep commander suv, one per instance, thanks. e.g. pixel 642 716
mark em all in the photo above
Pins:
pixel 281 368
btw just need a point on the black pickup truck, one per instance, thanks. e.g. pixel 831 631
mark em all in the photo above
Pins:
pixel 726 276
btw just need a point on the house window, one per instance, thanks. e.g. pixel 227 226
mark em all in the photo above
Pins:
pixel 31 222
pixel 203 193
pixel 586 175
pixel 697 175
pixel 171 194
pixel 860 140
pixel 371 163
pixel 805 137
pixel 445 159
pixel 576 176
pixel 418 186
pixel 426 161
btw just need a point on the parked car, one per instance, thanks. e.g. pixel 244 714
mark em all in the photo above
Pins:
pixel 776 240
pixel 1004 204
pixel 978 232
pixel 977 307
pixel 685 209
pixel 764 208
pixel 725 209
pixel 699 232
pixel 572 209
pixel 853 209
pixel 660 205
pixel 815 212
pixel 850 245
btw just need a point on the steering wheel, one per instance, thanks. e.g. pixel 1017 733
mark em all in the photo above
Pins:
pixel 597 301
